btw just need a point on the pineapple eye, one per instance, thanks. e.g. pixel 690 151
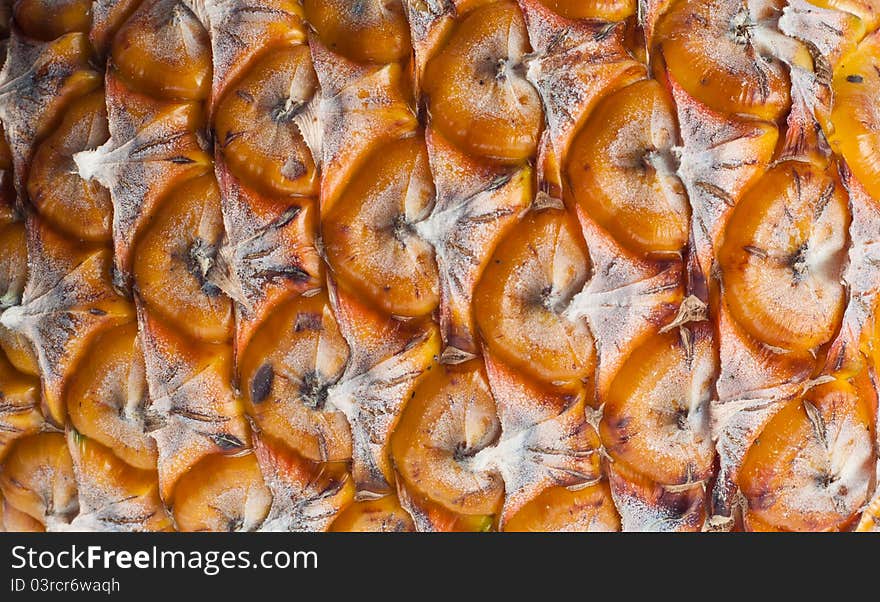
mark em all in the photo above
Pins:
pixel 449 419
pixel 164 51
pixel 810 470
pixel 708 50
pixel 622 170
pixel 369 234
pixel 113 493
pixel 521 299
pixel 782 255
pixel 259 124
pixel 476 89
pixel 222 493
pixel 656 413
pixel 107 397
pixel 37 479
pixel 174 257
pixel 288 367
pixel 80 209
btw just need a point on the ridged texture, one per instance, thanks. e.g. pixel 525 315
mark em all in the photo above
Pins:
pixel 375 265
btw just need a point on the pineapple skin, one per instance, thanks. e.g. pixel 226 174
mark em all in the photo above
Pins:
pixel 439 265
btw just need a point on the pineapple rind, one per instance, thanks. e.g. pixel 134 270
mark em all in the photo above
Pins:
pixel 565 457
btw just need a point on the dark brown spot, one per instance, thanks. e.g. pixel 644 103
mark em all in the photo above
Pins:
pixel 261 385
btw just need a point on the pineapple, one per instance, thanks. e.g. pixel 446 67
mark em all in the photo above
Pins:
pixel 439 265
